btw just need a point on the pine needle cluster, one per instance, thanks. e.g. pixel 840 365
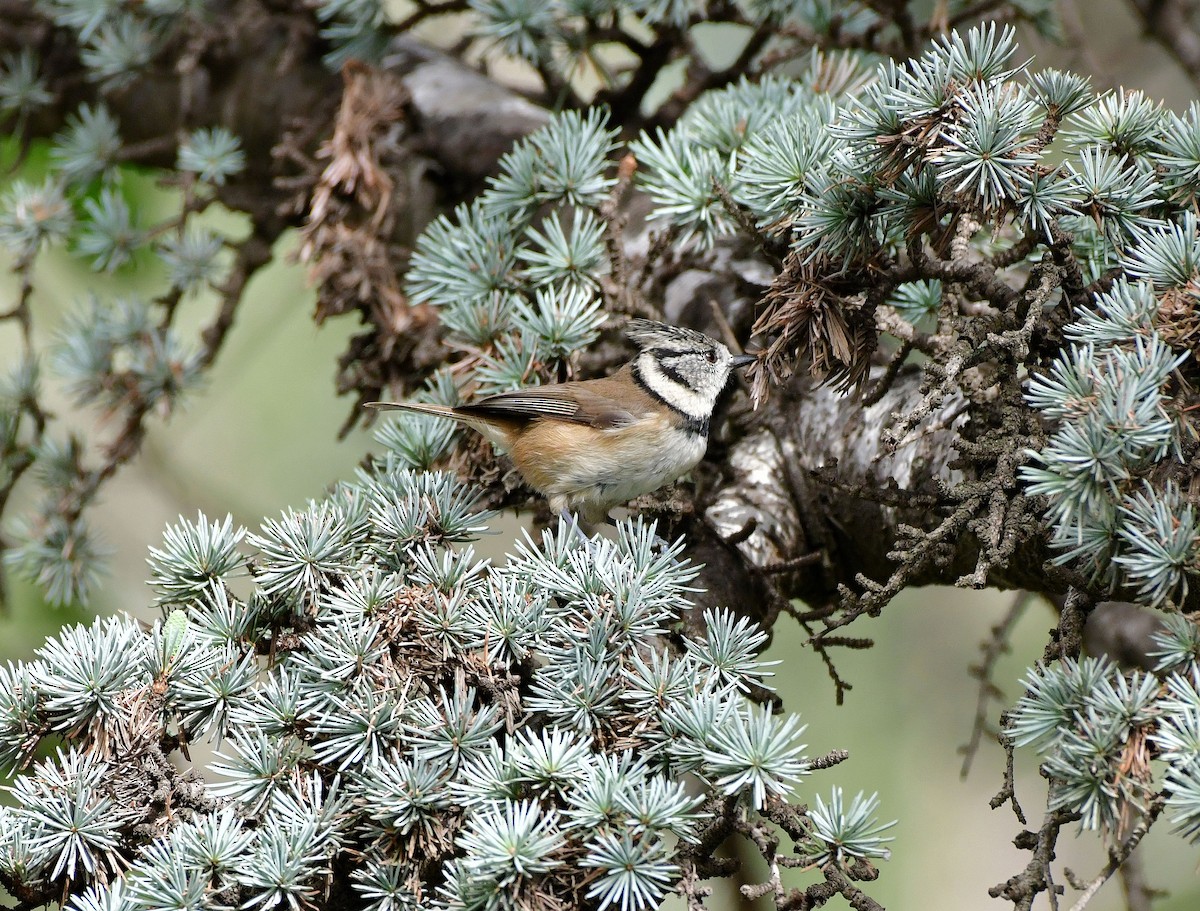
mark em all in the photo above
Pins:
pixel 400 720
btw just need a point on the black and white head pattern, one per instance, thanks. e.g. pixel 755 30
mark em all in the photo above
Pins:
pixel 684 369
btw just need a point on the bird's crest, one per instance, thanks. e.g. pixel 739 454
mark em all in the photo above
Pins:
pixel 647 333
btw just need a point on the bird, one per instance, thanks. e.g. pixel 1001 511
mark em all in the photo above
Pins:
pixel 588 446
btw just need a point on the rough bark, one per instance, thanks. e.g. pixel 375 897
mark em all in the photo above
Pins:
pixel 815 476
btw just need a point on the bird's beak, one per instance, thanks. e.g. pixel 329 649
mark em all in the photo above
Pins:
pixel 741 360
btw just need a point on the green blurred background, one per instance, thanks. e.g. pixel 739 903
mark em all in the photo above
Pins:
pixel 262 435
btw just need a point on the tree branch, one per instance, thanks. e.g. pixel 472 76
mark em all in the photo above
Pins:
pixel 1172 24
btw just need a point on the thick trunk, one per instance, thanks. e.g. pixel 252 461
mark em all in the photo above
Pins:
pixel 815 475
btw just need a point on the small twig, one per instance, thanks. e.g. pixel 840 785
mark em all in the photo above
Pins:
pixel 829 760
pixel 945 423
pixel 941 386
pixel 424 10
pixel 661 243
pixel 624 293
pixel 889 495
pixel 1044 279
pixel 17 126
pixel 910 561
pixel 1008 790
pixel 614 222
pixel 1068 638
pixel 856 898
pixel 624 102
pixel 727 334
pixel 1017 252
pixel 993 647
pixel 818 613
pixel 966 14
pixel 742 534
pixel 858 643
pixel 1037 877
pixel 1118 854
pixel 745 221
pixel 1172 24
pixel 699 77
pixel 155 147
pixel 792 563
pixel 880 387
pixel 253 253
pixel 20 458
pixel 20 310
pixel 888 320
pixel 1139 895
pixel 840 686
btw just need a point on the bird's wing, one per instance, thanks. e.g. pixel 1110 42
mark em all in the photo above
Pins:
pixel 575 403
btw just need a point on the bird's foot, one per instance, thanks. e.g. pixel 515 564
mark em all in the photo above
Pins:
pixel 573 523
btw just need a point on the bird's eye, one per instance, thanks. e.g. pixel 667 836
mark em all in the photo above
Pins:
pixel 712 355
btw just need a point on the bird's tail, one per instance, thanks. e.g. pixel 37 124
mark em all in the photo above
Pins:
pixel 492 430
pixel 441 411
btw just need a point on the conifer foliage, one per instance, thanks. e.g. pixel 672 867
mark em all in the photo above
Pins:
pixel 980 272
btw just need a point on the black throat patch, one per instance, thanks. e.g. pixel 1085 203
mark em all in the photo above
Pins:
pixel 691 423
